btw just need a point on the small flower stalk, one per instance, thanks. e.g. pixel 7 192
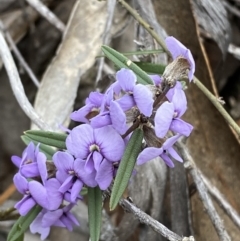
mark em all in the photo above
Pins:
pixel 95 148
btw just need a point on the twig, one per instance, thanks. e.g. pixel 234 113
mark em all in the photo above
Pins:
pixel 46 13
pixel 5 213
pixel 154 224
pixel 19 56
pixel 17 86
pixel 110 8
pixel 203 194
pixel 234 50
pixel 220 199
pixel 151 31
pixel 218 105
pixel 7 193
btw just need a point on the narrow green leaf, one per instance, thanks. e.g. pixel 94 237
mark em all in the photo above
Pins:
pixel 23 223
pixel 94 212
pixel 151 68
pixel 123 62
pixel 47 150
pixel 20 238
pixel 126 167
pixel 84 191
pixel 48 138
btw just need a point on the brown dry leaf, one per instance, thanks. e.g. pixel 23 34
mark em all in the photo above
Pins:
pixel 81 43
pixel 212 145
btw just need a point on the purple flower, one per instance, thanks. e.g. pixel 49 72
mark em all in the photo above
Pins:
pixel 168 116
pixel 60 218
pixel 27 164
pixel 99 148
pixel 92 107
pixel 166 152
pixel 177 49
pixel 72 175
pixel 136 94
pixel 45 194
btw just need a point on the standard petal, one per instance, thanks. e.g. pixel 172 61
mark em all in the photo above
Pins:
pixel 29 153
pixel 25 205
pixel 41 163
pixel 29 170
pixel 126 79
pixel 163 119
pixel 118 118
pixel 179 101
pixel 21 183
pixel 167 160
pixel 50 217
pixel 63 161
pixel 148 154
pixel 110 142
pixel 16 160
pixel 79 139
pixel 76 189
pixel 105 174
pixel 144 99
pixel 181 127
pixel 174 154
pixel 96 98
pixel 175 47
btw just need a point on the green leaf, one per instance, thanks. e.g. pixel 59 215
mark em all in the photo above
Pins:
pixel 94 212
pixel 84 191
pixel 22 224
pixel 47 150
pixel 48 138
pixel 20 238
pixel 126 167
pixel 123 62
pixel 151 68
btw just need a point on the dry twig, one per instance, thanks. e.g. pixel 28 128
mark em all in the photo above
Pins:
pixel 203 194
pixel 17 86
pixel 46 13
pixel 19 56
pixel 154 224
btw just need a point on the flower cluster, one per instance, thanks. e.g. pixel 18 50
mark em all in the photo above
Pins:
pixel 94 149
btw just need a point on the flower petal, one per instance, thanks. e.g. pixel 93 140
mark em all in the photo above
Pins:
pixel 167 160
pixel 76 189
pixel 101 120
pixel 181 127
pixel 21 183
pixel 104 175
pixel 174 154
pixel 41 163
pixel 50 217
pixel 87 178
pixel 156 79
pixel 170 142
pixel 29 170
pixel 96 98
pixel 80 115
pixel 126 102
pixel 118 118
pixel 16 160
pixel 126 79
pixel 148 154
pixel 97 159
pixel 79 139
pixel 63 161
pixel 179 101
pixel 163 119
pixel 110 142
pixel 39 193
pixel 25 205
pixel 144 99
pixel 67 184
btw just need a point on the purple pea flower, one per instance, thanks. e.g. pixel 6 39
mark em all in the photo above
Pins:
pixel 177 49
pixel 166 152
pixel 136 94
pixel 59 218
pixel 92 105
pixel 27 164
pixel 72 175
pixel 168 116
pixel 45 194
pixel 99 148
